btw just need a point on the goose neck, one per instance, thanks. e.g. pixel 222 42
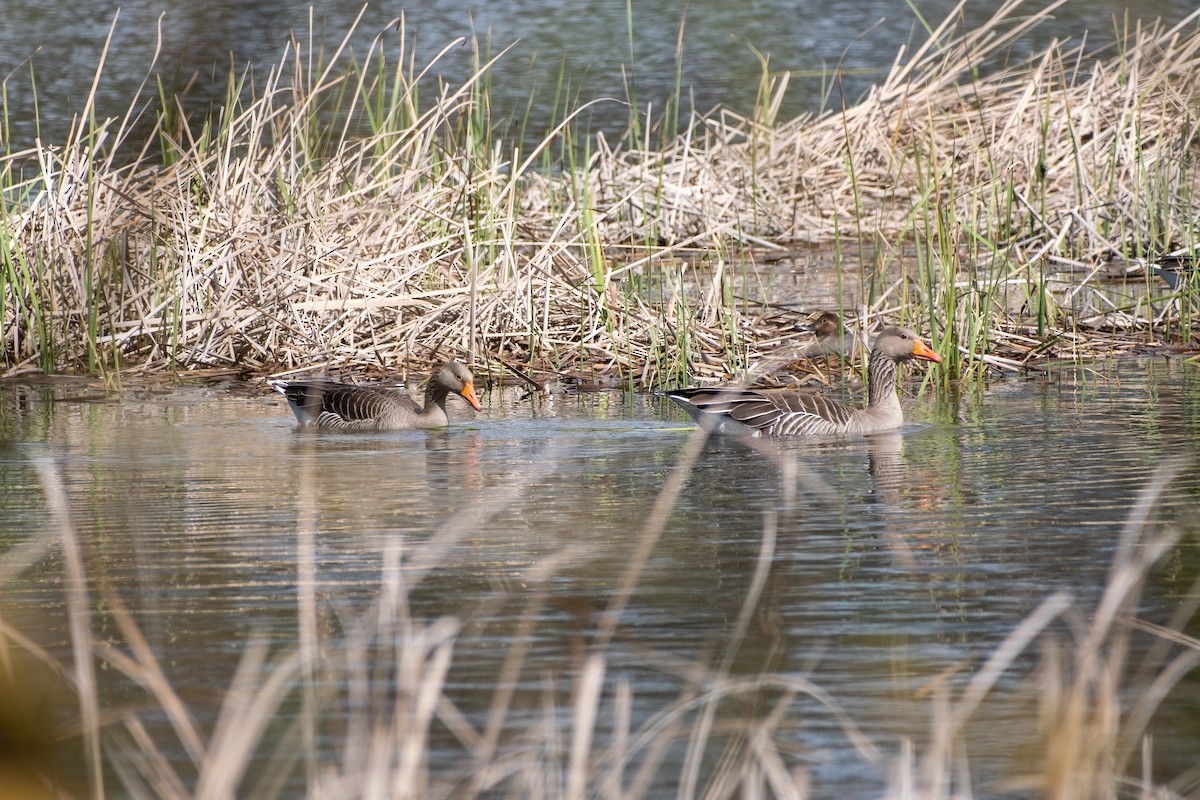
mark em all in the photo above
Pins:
pixel 881 379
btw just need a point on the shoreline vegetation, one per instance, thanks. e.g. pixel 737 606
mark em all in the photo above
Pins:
pixel 336 217
pixel 338 221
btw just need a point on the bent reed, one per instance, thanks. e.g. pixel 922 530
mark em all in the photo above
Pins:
pixel 337 216
pixel 365 700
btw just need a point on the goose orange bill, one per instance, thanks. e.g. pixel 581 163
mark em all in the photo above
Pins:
pixel 922 351
pixel 468 394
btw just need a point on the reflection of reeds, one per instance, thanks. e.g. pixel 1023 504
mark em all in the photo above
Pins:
pixel 347 212
pixel 384 675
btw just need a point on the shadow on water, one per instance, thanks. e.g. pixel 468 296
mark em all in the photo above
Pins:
pixel 876 569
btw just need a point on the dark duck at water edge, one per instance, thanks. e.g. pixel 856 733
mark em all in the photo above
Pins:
pixel 790 413
pixel 1177 269
pixel 830 338
pixel 328 404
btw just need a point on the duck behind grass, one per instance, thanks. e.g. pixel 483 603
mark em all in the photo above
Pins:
pixel 830 338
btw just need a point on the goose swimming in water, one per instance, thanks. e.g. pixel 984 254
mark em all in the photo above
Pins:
pixel 790 413
pixel 324 403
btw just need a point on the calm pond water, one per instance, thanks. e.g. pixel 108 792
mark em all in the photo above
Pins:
pixel 892 561
pixel 63 42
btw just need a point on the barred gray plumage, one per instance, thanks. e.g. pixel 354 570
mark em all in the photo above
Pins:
pixel 790 413
pixel 328 404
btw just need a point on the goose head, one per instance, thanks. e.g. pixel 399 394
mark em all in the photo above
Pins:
pixel 454 377
pixel 827 325
pixel 901 344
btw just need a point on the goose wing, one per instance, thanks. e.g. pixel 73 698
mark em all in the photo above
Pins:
pixel 774 413
pixel 801 413
pixel 329 404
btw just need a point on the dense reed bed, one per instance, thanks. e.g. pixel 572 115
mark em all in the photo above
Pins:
pixel 344 214
pixel 365 708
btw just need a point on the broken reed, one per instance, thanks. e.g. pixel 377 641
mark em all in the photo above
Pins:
pixel 347 214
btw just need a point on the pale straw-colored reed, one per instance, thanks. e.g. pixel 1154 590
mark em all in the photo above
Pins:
pixel 340 217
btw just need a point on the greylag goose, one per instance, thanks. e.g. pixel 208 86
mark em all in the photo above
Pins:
pixel 791 413
pixel 324 403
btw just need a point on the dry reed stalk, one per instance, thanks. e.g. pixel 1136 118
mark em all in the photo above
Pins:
pixel 1088 732
pixel 80 621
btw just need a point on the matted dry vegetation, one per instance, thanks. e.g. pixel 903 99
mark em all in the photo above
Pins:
pixel 333 221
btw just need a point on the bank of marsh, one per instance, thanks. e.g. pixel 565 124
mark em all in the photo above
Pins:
pixel 338 213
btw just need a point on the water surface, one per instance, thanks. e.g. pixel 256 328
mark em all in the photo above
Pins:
pixel 893 561
pixel 595 50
